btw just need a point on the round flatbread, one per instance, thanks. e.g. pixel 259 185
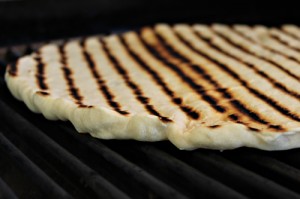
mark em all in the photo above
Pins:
pixel 217 87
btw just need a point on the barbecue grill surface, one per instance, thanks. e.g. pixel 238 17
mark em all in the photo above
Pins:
pixel 40 157
pixel 49 159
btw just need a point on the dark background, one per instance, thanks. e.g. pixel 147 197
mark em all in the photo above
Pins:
pixel 26 21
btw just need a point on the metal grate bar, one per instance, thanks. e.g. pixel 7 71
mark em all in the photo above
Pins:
pixel 197 180
pixel 164 170
pixel 5 191
pixel 41 179
pixel 16 177
pixel 89 177
pixel 134 172
pixel 290 157
pixel 137 173
pixel 270 167
pixel 238 177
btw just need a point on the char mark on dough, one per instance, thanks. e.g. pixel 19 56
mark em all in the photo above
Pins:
pixel 131 84
pixel 283 110
pixel 13 69
pixel 159 81
pixel 214 126
pixel 85 106
pixel 242 48
pixel 284 43
pixel 40 74
pixel 243 109
pixel 100 81
pixel 225 93
pixel 44 93
pixel 273 81
pixel 234 117
pixel 277 127
pixel 290 34
pixel 264 46
pixel 253 129
pixel 73 90
pixel 200 90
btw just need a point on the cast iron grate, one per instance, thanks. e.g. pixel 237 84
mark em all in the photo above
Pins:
pixel 41 158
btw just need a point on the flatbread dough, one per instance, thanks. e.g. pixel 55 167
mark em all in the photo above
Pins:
pixel 217 87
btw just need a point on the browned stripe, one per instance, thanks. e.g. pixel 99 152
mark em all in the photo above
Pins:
pixel 159 81
pixel 131 84
pixel 290 34
pixel 255 92
pixel 242 48
pixel 103 88
pixel 264 46
pixel 43 93
pixel 277 38
pixel 73 90
pixel 214 126
pixel 13 68
pixel 200 90
pixel 273 81
pixel 225 93
pixel 40 74
pixel 253 129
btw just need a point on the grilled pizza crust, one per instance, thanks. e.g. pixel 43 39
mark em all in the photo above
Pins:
pixel 199 86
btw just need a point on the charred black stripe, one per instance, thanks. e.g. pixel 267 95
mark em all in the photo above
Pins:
pixel 242 48
pixel 73 90
pixel 101 82
pixel 273 81
pixel 264 46
pixel 159 81
pixel 43 93
pixel 255 92
pixel 13 68
pixel 233 117
pixel 40 76
pixel 226 94
pixel 131 84
pixel 253 129
pixel 284 42
pixel 214 126
pixel 200 90
pixel 290 34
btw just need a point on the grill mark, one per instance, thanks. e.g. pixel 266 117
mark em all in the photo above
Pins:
pixel 277 38
pixel 196 87
pixel 40 74
pixel 234 117
pixel 85 106
pixel 258 94
pixel 242 48
pixel 214 126
pixel 159 81
pixel 13 69
pixel 253 129
pixel 73 90
pixel 131 84
pixel 103 88
pixel 290 34
pixel 225 93
pixel 278 127
pixel 273 81
pixel 264 46
pixel 43 93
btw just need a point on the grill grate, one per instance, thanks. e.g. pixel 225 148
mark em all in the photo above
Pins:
pixel 39 157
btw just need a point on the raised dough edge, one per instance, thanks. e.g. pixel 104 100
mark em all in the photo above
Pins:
pixel 104 123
